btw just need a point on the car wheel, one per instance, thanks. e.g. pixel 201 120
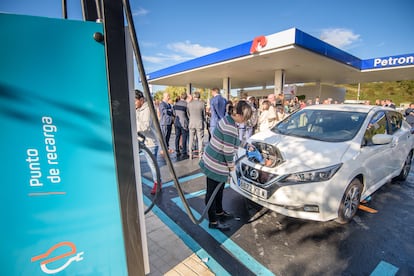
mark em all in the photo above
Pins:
pixel 350 202
pixel 406 168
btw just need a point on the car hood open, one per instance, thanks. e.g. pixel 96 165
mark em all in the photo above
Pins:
pixel 300 153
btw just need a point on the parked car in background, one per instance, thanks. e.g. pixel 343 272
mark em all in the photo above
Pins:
pixel 322 161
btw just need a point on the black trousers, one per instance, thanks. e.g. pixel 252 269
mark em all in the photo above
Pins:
pixel 181 133
pixel 217 204
pixel 166 132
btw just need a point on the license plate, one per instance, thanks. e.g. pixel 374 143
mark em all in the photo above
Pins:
pixel 253 189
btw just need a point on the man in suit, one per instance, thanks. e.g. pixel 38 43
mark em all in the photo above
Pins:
pixel 409 115
pixel 181 126
pixel 217 109
pixel 197 116
pixel 166 118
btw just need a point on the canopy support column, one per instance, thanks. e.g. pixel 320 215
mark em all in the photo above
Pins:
pixel 189 88
pixel 279 81
pixel 226 88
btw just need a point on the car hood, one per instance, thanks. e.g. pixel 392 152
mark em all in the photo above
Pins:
pixel 301 154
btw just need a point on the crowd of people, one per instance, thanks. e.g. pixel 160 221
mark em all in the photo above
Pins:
pixel 228 124
pixel 409 115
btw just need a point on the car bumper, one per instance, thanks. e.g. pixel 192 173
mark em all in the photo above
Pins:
pixel 305 201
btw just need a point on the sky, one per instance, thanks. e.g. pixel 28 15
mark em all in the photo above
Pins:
pixel 171 32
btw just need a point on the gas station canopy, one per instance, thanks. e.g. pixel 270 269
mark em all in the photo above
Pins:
pixel 301 57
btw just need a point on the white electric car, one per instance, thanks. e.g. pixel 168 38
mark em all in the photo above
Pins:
pixel 321 161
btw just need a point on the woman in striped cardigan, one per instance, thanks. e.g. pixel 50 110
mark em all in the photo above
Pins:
pixel 218 160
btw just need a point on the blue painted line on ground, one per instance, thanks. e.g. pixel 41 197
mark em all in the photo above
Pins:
pixel 232 247
pixel 191 177
pixel 171 183
pixel 147 182
pixel 241 255
pixel 202 192
pixel 188 240
pixel 384 269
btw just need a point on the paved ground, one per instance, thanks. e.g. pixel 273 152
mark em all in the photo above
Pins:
pixel 266 243
pixel 168 255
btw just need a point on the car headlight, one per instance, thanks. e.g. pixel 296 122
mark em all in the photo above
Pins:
pixel 318 175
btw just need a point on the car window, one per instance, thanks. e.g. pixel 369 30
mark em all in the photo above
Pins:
pixel 395 121
pixel 377 125
pixel 324 125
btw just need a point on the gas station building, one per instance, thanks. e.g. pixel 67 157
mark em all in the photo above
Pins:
pixel 281 63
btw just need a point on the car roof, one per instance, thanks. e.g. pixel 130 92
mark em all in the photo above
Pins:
pixel 347 107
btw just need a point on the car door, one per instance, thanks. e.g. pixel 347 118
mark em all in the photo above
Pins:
pixel 376 160
pixel 400 139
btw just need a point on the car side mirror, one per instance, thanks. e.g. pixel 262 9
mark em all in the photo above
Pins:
pixel 381 139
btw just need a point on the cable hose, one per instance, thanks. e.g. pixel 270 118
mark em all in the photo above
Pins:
pixel 135 46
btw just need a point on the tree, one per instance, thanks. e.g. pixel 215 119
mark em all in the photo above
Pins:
pixel 174 92
pixel 406 87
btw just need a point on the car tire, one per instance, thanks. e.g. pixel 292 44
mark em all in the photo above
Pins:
pixel 350 202
pixel 406 168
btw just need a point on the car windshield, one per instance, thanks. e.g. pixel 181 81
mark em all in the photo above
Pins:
pixel 323 125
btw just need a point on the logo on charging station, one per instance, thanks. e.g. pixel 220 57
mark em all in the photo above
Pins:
pixel 47 259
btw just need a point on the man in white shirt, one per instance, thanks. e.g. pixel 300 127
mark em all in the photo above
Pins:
pixel 146 127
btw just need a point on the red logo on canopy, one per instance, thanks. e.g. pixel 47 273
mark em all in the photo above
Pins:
pixel 258 41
